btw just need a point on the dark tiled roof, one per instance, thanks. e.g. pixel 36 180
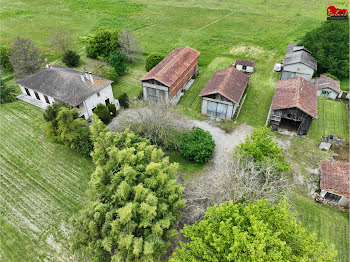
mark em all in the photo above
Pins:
pixel 245 62
pixel 296 92
pixel 325 81
pixel 228 82
pixel 335 177
pixel 172 68
pixel 64 84
pixel 296 54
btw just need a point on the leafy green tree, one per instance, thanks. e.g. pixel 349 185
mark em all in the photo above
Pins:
pixel 5 64
pixel 197 145
pixel 329 45
pixel 118 61
pixel 152 60
pixel 251 231
pixel 50 115
pixel 135 199
pixel 7 93
pixel 124 100
pixel 102 43
pixel 71 58
pixel 83 143
pixel 262 148
pixel 103 113
pixel 112 109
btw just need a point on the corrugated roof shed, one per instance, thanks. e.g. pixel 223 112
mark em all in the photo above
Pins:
pixel 335 177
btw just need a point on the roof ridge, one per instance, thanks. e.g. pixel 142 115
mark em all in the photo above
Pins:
pixel 171 62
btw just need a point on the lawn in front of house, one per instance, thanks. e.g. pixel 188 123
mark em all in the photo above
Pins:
pixel 344 84
pixel 332 119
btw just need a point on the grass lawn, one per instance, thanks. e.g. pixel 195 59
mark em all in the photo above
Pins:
pixel 185 166
pixel 41 185
pixel 332 119
pixel 328 223
pixel 344 84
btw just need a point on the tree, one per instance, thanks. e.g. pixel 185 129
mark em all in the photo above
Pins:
pixel 152 60
pixel 5 64
pixel 7 93
pixel 118 61
pixel 50 115
pixel 251 231
pixel 197 145
pixel 102 43
pixel 71 58
pixel 83 143
pixel 62 40
pixel 112 109
pixel 130 45
pixel 134 199
pixel 103 113
pixel 262 148
pixel 104 70
pixel 329 45
pixel 124 100
pixel 25 58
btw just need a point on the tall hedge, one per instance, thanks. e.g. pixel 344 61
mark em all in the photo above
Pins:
pixel 152 60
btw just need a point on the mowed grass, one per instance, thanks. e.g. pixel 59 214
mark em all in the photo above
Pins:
pixel 332 119
pixel 328 223
pixel 41 185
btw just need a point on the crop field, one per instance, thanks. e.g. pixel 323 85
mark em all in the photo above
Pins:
pixel 41 185
pixel 332 119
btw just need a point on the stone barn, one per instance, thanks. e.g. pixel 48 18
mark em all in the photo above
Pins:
pixel 174 75
pixel 244 65
pixel 298 62
pixel 335 182
pixel 327 87
pixel 77 89
pixel 294 105
pixel 222 94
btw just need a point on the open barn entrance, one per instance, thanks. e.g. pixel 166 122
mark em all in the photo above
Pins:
pixel 289 125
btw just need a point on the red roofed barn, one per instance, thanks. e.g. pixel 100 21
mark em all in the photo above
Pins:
pixel 171 77
pixel 294 104
pixel 223 92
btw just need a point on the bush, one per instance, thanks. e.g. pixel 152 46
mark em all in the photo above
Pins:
pixel 197 145
pixel 124 100
pixel 7 93
pixel 71 58
pixel 51 111
pixel 103 113
pixel 102 43
pixel 118 61
pixel 83 143
pixel 152 60
pixel 105 71
pixel 112 109
pixel 5 64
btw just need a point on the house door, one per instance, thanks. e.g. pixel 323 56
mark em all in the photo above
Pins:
pixel 107 101
pixel 27 91
pixel 36 95
pixel 221 111
pixel 211 109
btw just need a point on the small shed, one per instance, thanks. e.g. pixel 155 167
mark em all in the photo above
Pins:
pixel 245 65
pixel 335 182
pixel 294 104
pixel 222 94
pixel 327 87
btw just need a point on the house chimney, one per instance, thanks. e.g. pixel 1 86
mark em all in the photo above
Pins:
pixel 91 78
pixel 82 77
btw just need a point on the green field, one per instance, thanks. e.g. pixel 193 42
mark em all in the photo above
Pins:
pixel 332 119
pixel 41 185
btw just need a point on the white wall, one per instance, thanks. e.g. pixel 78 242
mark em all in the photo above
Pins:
pixel 332 95
pixel 157 87
pixel 249 69
pixel 41 95
pixel 231 107
pixel 343 200
pixel 299 69
pixel 92 101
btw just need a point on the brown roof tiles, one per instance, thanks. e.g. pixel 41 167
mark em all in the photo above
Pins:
pixel 245 62
pixel 296 92
pixel 335 177
pixel 325 81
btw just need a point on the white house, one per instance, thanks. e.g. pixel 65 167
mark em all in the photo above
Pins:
pixel 298 62
pixel 328 87
pixel 335 182
pixel 245 66
pixel 77 89
pixel 222 94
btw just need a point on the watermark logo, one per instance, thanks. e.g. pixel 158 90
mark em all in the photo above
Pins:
pixel 334 13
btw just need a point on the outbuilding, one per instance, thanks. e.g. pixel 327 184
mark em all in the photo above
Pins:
pixel 58 83
pixel 222 94
pixel 174 75
pixel 298 62
pixel 335 182
pixel 294 105
pixel 327 87
pixel 245 65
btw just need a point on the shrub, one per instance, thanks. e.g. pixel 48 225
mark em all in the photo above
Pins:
pixel 106 71
pixel 197 145
pixel 103 113
pixel 51 111
pixel 112 109
pixel 7 93
pixel 83 143
pixel 118 61
pixel 152 60
pixel 102 43
pixel 5 64
pixel 71 58
pixel 130 45
pixel 124 100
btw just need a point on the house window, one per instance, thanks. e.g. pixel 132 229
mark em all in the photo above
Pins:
pixel 325 92
pixel 107 101
pixel 244 67
pixel 216 109
pixel 93 109
pixel 46 99
pixel 98 93
pixel 332 197
pixel 78 106
pixel 27 91
pixel 36 95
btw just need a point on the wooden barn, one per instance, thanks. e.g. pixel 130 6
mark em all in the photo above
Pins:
pixel 294 105
pixel 245 66
pixel 327 87
pixel 174 75
pixel 222 94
